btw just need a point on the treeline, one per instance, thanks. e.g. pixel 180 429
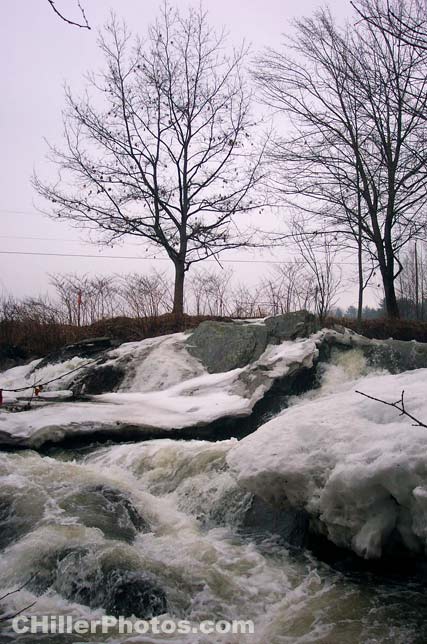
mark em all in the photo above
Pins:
pixel 82 300
pixel 166 148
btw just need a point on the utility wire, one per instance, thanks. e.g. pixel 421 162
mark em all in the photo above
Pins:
pixel 159 259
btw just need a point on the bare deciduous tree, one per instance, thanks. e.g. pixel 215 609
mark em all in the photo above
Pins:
pixel 357 159
pixel 171 157
pixel 290 288
pixel 210 292
pixel 320 264
pixel 146 295
pixel 408 22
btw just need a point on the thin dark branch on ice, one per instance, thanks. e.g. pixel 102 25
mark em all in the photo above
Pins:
pixel 399 405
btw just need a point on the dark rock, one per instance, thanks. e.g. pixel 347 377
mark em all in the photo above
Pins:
pixel 97 379
pixel 133 593
pixel 20 510
pixel 89 348
pixel 292 525
pixel 12 526
pixel 108 509
pixel 289 326
pixel 12 356
pixel 395 356
pixel 223 346
pixel 100 579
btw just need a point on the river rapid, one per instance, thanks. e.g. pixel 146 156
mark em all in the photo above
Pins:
pixel 172 511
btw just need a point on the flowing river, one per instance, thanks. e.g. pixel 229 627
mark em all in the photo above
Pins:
pixel 206 564
pixel 73 522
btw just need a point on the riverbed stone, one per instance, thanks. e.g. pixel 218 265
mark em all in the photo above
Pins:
pixel 107 509
pixel 101 578
pixel 223 346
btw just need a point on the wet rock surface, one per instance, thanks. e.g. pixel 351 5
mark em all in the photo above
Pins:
pixel 108 510
pixel 290 524
pixel 89 348
pixel 100 579
pixel 98 379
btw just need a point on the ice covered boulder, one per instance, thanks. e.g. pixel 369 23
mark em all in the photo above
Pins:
pixel 354 465
pixel 161 389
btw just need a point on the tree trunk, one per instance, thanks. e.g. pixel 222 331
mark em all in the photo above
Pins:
pixel 392 308
pixel 178 295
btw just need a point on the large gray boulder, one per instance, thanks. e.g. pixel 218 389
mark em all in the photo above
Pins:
pixel 290 326
pixel 223 346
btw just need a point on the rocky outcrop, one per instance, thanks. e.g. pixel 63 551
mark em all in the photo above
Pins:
pixel 221 380
pixel 290 326
pixel 223 346
pixel 98 379
pixel 394 356
pixel 89 348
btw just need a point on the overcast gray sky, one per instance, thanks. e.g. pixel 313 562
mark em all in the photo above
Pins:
pixel 40 53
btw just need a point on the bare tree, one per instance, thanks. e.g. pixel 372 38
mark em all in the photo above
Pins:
pixel 84 299
pixel 210 292
pixel 412 283
pixel 83 24
pixel 356 100
pixel 319 262
pixel 408 22
pixel 171 157
pixel 290 288
pixel 246 302
pixel 146 295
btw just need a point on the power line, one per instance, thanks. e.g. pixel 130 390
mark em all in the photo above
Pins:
pixel 63 239
pixel 158 259
pixel 22 212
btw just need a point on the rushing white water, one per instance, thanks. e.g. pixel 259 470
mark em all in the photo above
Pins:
pixel 190 541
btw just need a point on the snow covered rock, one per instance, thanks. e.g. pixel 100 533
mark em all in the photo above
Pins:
pixel 222 346
pixel 164 389
pixel 353 464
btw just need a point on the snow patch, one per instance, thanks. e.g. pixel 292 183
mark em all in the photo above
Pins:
pixel 356 466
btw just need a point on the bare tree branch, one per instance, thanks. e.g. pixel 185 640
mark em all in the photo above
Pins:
pixel 82 25
pixel 4 618
pixel 399 405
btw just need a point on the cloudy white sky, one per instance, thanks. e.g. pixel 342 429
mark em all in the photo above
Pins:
pixel 40 53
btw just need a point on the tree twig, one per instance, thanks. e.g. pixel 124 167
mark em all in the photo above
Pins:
pixel 399 405
pixel 4 618
pixel 84 25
